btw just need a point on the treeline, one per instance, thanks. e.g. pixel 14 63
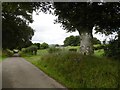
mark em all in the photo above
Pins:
pixel 30 49
pixel 41 46
pixel 75 41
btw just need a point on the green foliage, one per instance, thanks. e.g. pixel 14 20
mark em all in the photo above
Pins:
pixel 57 45
pixel 83 16
pixel 44 46
pixel 75 41
pixel 37 44
pixel 7 53
pixel 16 16
pixel 32 50
pixel 72 41
pixel 73 49
pixel 113 49
pixel 53 50
pixel 99 52
pixel 96 41
pixel 98 47
pixel 78 71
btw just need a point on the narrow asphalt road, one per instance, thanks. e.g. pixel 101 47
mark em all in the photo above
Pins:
pixel 18 73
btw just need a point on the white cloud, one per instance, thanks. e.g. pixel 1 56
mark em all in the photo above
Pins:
pixel 47 31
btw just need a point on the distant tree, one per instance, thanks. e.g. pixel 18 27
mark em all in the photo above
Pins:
pixel 44 46
pixel 37 44
pixel 95 41
pixel 69 41
pixel 72 41
pixel 57 45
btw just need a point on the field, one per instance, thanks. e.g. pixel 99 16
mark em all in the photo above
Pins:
pixel 77 71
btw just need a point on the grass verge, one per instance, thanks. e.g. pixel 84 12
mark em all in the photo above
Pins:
pixel 77 71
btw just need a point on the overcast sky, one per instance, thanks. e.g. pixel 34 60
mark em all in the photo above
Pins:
pixel 47 31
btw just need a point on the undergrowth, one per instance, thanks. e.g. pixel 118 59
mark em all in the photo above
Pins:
pixel 78 71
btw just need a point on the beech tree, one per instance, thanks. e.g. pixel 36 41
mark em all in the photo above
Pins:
pixel 83 16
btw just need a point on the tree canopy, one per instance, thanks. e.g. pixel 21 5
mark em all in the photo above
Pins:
pixel 78 15
pixel 44 46
pixel 83 16
pixel 16 17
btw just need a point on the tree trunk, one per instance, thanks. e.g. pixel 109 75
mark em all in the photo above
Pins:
pixel 86 46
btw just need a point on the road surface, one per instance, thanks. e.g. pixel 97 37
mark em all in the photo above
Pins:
pixel 18 73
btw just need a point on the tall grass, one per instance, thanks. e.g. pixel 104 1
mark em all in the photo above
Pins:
pixel 72 47
pixel 99 53
pixel 77 71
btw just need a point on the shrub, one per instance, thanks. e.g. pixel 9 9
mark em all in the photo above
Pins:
pixel 54 50
pixel 30 50
pixel 23 50
pixel 73 49
pixel 33 49
pixel 7 53
pixel 26 50
pixel 37 44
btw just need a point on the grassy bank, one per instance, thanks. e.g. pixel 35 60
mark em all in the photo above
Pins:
pixel 77 71
pixel 0 58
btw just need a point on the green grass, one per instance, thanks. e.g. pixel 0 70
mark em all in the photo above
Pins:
pixel 2 58
pixel 77 71
pixel 72 47
pixel 99 53
pixel 35 58
pixel 97 45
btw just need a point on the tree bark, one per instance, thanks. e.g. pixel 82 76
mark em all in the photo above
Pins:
pixel 86 46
